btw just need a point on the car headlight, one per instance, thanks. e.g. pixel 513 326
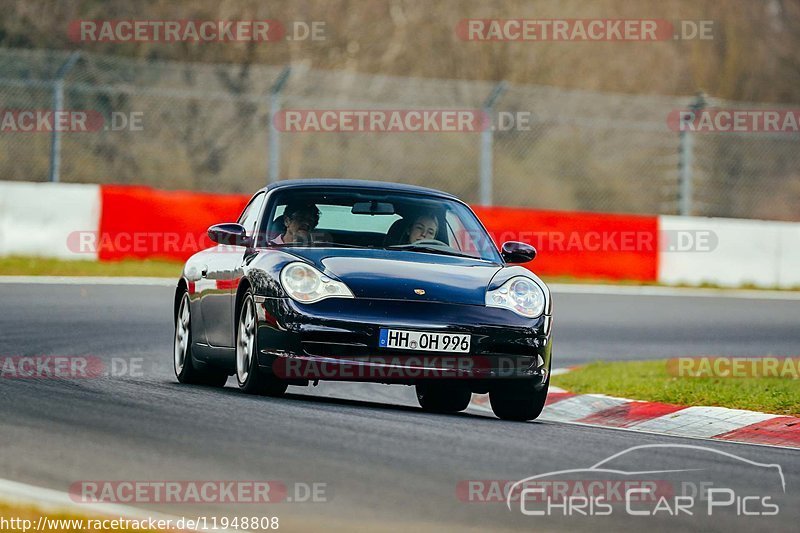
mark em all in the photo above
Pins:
pixel 520 294
pixel 306 284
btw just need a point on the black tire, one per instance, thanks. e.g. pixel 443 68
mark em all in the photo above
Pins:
pixel 249 376
pixel 519 400
pixel 443 397
pixel 183 363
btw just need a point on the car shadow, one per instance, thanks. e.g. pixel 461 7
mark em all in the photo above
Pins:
pixel 326 400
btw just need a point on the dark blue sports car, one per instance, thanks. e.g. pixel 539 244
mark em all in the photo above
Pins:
pixel 365 281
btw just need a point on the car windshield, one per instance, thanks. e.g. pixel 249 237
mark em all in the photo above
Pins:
pixel 375 219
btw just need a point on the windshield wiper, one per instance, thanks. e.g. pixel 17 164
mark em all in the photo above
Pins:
pixel 336 244
pixel 315 244
pixel 429 248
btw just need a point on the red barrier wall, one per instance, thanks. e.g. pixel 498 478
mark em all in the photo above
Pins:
pixel 583 245
pixel 142 222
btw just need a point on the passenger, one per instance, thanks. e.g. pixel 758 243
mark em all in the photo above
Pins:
pixel 424 227
pixel 300 219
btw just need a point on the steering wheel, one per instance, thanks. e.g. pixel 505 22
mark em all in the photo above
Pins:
pixel 436 242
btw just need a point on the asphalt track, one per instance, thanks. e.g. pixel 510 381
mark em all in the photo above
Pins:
pixel 386 465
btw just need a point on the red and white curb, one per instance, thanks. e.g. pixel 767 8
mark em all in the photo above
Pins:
pixel 715 423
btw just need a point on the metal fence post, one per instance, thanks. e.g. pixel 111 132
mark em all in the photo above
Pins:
pixel 274 150
pixel 487 141
pixel 58 104
pixel 685 160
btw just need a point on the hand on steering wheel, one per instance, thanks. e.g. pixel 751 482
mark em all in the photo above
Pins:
pixel 431 241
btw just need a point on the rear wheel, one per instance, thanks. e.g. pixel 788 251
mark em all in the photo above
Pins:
pixel 186 369
pixel 519 400
pixel 250 378
pixel 443 397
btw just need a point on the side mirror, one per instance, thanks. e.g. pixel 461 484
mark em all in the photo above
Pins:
pixel 517 252
pixel 230 234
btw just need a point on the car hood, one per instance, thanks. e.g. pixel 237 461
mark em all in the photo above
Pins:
pixel 401 275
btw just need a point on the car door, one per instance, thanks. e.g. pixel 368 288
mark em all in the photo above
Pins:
pixel 222 271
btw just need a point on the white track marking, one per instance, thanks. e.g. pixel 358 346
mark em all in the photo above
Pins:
pixel 580 406
pixel 687 292
pixel 702 421
pixel 88 280
pixel 655 290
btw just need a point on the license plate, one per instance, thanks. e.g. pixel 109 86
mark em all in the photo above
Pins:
pixel 424 341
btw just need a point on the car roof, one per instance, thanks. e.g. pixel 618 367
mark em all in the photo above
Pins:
pixel 356 184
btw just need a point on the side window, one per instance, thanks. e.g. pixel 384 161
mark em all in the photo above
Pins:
pixel 451 237
pixel 460 237
pixel 251 213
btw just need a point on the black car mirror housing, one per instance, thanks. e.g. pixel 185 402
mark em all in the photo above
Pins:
pixel 517 252
pixel 230 234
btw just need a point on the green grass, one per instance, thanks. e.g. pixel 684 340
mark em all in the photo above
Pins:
pixel 36 266
pixel 650 380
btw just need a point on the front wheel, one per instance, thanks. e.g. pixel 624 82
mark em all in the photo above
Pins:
pixel 185 368
pixel 251 380
pixel 519 400
pixel 443 397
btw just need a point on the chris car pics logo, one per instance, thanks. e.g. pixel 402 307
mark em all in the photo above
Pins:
pixel 672 480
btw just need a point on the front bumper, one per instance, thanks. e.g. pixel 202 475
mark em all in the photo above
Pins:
pixel 337 339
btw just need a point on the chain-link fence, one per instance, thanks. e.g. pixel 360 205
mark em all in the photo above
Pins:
pixel 207 127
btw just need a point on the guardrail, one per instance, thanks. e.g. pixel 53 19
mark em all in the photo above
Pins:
pixel 112 222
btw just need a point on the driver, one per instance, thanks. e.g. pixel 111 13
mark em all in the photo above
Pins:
pixel 424 227
pixel 300 219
